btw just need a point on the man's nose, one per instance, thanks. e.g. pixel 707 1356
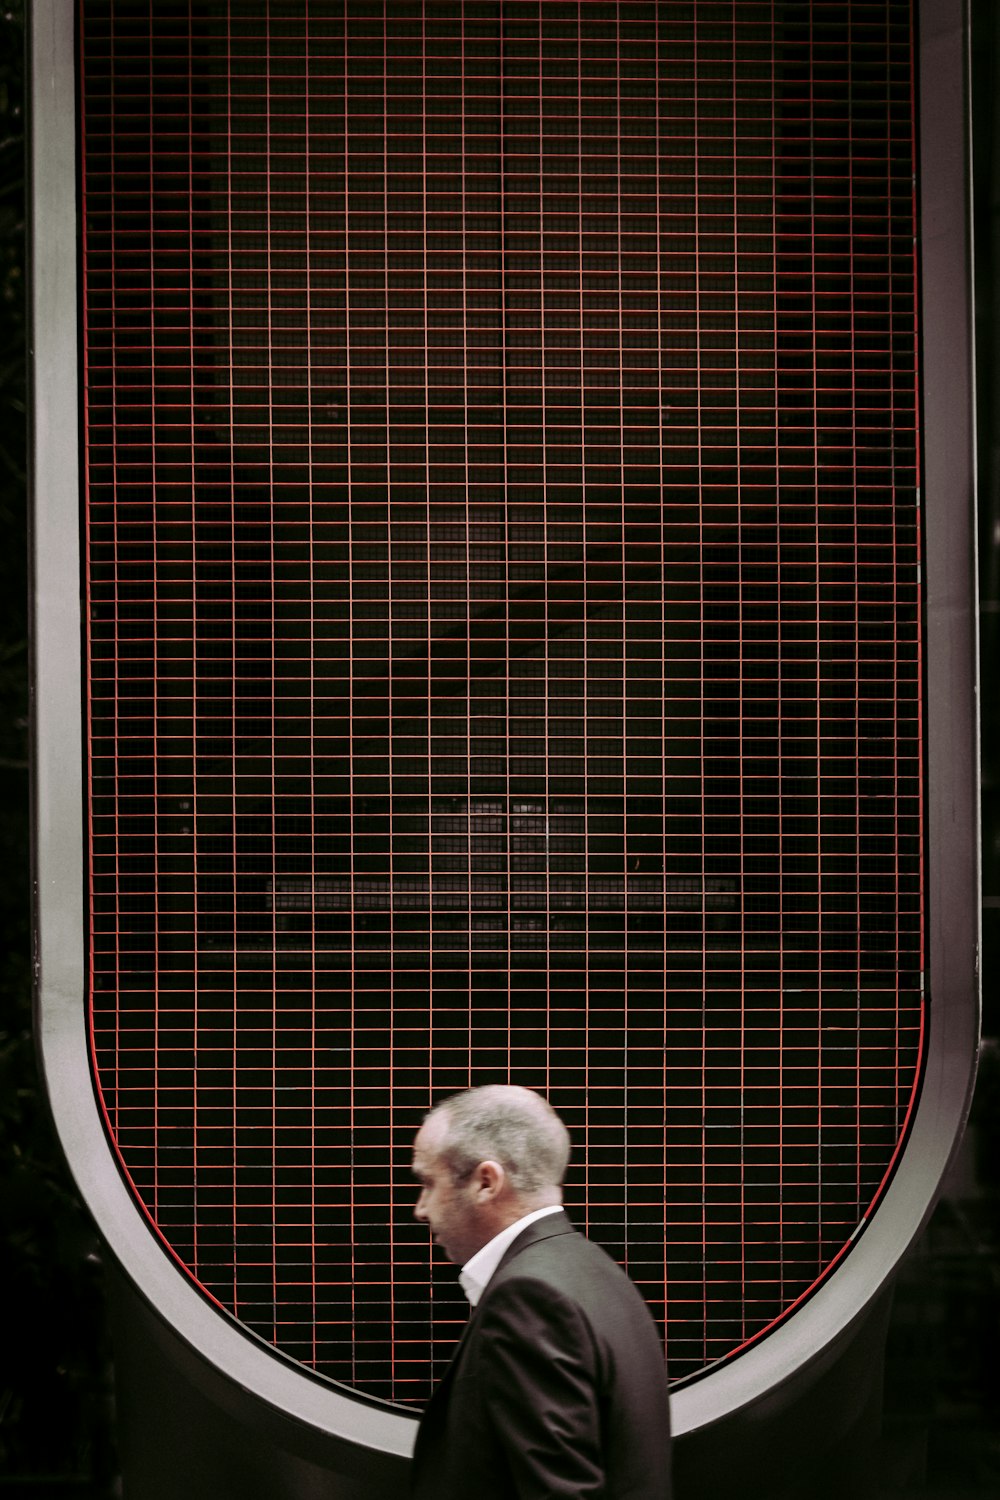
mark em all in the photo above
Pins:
pixel 419 1211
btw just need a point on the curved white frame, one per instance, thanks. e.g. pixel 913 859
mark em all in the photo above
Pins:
pixel 801 1341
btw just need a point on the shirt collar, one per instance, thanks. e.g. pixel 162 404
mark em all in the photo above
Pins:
pixel 475 1275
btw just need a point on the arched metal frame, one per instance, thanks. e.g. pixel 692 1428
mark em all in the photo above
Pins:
pixel 803 1343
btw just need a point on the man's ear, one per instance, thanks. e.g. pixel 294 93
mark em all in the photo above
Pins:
pixel 490 1179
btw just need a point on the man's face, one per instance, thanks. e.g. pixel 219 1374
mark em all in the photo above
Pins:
pixel 447 1206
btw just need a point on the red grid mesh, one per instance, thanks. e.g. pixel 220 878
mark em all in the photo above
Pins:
pixel 502 567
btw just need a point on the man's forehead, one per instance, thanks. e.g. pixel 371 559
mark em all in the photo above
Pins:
pixel 425 1146
pixel 430 1137
pixel 419 1152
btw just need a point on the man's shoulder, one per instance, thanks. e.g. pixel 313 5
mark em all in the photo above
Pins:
pixel 566 1281
pixel 554 1252
pixel 558 1237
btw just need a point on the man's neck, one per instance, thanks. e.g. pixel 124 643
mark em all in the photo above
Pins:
pixel 478 1270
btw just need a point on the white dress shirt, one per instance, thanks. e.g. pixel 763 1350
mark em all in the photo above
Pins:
pixel 476 1273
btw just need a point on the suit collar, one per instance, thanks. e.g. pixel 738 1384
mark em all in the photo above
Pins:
pixel 541 1229
pixel 477 1273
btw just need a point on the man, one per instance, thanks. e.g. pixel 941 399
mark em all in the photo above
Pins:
pixel 558 1386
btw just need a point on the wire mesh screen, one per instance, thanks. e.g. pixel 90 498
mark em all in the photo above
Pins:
pixel 504 648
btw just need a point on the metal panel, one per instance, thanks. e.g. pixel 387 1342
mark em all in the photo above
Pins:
pixel 595 733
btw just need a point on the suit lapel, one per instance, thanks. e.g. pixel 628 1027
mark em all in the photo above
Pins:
pixel 453 1363
pixel 433 1413
pixel 541 1229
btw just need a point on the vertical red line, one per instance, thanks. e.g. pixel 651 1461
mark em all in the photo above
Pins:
pixel 81 122
pixel 354 752
pixel 428 532
pixel 912 416
pixel 195 996
pixel 587 997
pixel 898 806
pixel 621 251
pixel 918 543
pixel 466 488
pixel 116 674
pixel 782 977
pixel 272 501
pixel 856 556
pixel 154 496
pixel 817 564
pixel 504 357
pixel 546 522
pixel 702 627
pixel 310 483
pixel 426 419
pixel 742 670
pixel 92 831
pixel 389 477
pixel 661 443
pixel 388 457
pixel 113 1108
pixel 233 659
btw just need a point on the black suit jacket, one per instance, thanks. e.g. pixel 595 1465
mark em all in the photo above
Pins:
pixel 558 1387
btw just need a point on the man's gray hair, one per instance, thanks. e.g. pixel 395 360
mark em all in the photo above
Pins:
pixel 510 1125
